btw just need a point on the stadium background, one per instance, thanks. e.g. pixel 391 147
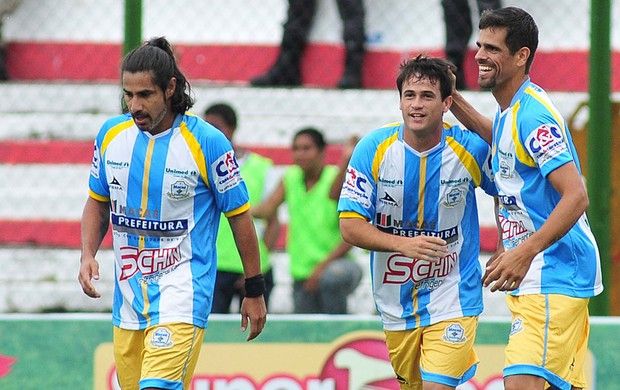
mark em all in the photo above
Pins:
pixel 63 59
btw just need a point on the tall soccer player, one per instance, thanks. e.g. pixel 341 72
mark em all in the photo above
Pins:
pixel 415 183
pixel 550 263
pixel 163 177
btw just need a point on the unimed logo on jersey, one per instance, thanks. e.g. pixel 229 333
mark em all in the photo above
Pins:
pixel 226 172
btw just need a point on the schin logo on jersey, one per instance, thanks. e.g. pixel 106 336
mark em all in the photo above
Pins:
pixel 402 269
pixel 226 172
pixel 149 261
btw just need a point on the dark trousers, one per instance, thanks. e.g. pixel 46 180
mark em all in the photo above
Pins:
pixel 458 24
pixel 229 285
pixel 299 21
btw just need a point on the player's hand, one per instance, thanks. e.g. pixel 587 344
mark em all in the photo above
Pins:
pixel 253 310
pixel 89 270
pixel 312 283
pixel 424 248
pixel 507 270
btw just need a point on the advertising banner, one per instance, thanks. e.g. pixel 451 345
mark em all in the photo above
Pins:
pixel 293 353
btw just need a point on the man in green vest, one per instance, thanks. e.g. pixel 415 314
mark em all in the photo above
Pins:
pixel 254 168
pixel 323 273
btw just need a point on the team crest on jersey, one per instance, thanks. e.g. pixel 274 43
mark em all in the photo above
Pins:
pixel 162 338
pixel 546 142
pixel 454 197
pixel 356 187
pixel 226 172
pixel 179 190
pixel 517 326
pixel 94 167
pixel 506 164
pixel 454 333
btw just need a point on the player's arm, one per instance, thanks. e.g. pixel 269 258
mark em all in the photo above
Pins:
pixel 347 151
pixel 312 283
pixel 253 308
pixel 358 232
pixel 94 225
pixel 470 117
pixel 269 207
pixel 510 267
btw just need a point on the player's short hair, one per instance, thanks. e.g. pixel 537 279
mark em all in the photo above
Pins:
pixel 316 135
pixel 224 111
pixel 521 29
pixel 156 56
pixel 435 69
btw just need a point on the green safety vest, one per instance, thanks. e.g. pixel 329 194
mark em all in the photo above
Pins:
pixel 313 230
pixel 254 170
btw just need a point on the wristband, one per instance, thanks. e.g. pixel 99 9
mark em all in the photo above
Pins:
pixel 255 286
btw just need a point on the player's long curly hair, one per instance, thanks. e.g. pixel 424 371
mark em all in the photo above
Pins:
pixel 156 55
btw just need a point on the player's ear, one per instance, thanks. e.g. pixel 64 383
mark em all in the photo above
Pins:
pixel 522 55
pixel 172 85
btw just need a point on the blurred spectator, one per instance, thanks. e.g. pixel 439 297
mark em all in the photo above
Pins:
pixel 458 23
pixel 286 70
pixel 255 169
pixel 6 8
pixel 323 275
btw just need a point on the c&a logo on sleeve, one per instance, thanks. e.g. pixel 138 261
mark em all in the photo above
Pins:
pixel 225 172
pixel 356 187
pixel 546 142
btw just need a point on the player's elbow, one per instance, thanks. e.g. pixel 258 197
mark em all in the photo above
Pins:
pixel 347 230
pixel 583 201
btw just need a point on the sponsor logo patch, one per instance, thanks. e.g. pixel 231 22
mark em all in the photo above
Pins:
pixel 94 167
pixel 151 263
pixel 162 338
pixel 546 142
pixel 356 187
pixel 225 172
pixel 454 333
pixel 517 326
pixel 179 190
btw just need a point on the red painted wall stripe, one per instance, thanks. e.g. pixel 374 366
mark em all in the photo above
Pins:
pixel 81 152
pixel 321 66
pixel 66 234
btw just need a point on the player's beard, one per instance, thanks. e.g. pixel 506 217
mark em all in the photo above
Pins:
pixel 159 118
pixel 156 121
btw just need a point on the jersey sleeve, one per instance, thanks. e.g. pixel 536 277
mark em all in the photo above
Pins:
pixel 359 186
pixel 483 158
pixel 544 139
pixel 97 181
pixel 225 181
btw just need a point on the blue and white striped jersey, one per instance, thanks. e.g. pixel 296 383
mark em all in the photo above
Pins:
pixel 530 140
pixel 408 193
pixel 166 194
